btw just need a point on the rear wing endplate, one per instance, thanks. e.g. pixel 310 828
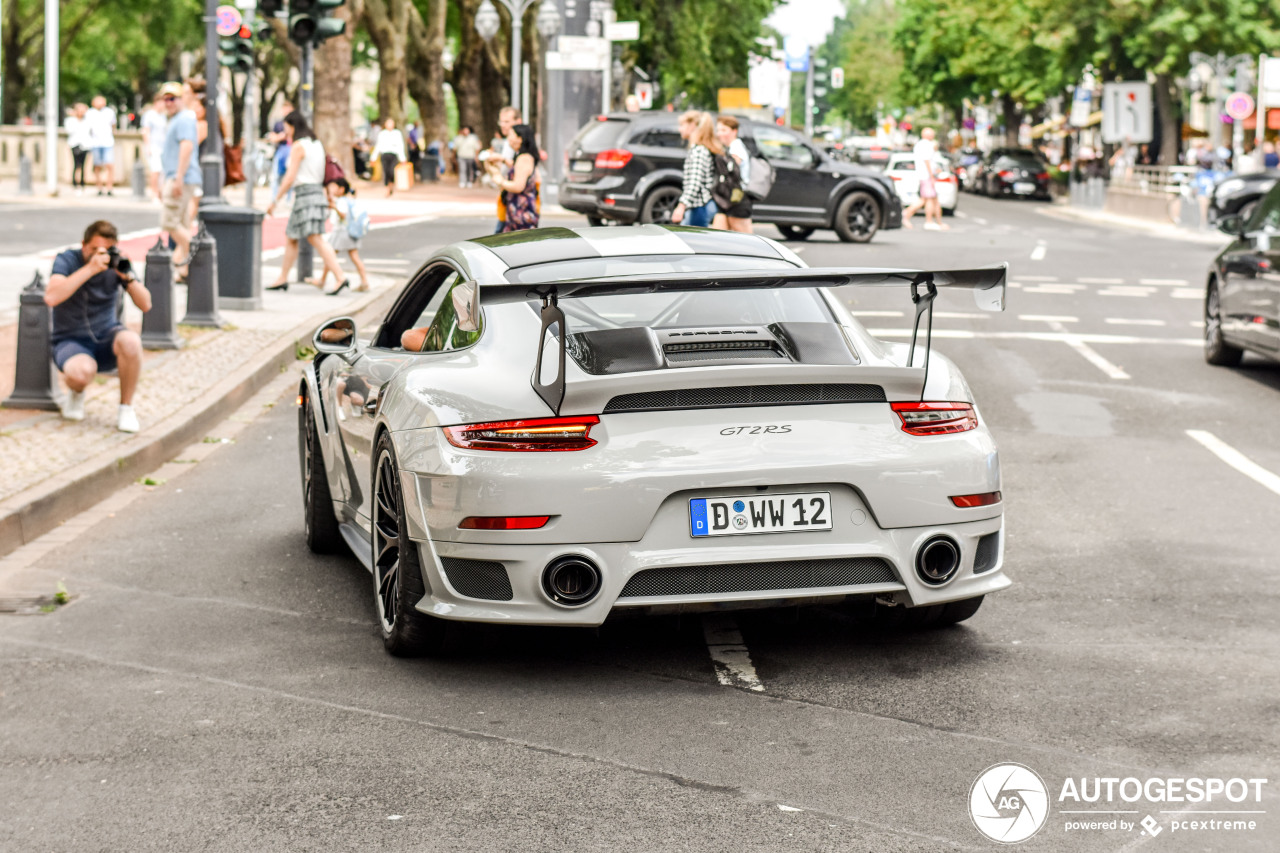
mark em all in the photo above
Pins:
pixel 986 283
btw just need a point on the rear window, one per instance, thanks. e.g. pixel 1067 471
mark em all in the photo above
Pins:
pixel 600 136
pixel 699 308
pixel 1022 161
pixel 659 137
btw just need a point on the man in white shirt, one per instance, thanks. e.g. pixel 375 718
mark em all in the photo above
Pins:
pixel 154 122
pixel 101 122
pixel 925 153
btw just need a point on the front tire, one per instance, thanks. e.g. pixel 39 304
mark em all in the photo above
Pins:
pixel 397 573
pixel 794 233
pixel 857 217
pixel 659 204
pixel 595 221
pixel 1216 349
pixel 319 522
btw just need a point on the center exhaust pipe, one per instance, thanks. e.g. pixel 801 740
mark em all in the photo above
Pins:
pixel 938 560
pixel 571 581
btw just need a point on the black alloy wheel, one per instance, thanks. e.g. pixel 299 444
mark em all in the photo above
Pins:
pixel 794 233
pixel 659 204
pixel 397 574
pixel 596 221
pixel 857 217
pixel 1216 349
pixel 319 523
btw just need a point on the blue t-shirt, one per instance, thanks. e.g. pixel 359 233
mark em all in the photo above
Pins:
pixel 91 310
pixel 1270 161
pixel 181 127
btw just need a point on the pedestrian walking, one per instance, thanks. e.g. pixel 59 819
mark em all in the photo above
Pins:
pixel 519 185
pixel 737 216
pixel 1270 159
pixel 696 204
pixel 305 176
pixel 925 154
pixel 101 121
pixel 388 148
pixel 280 139
pixel 181 167
pixel 414 146
pixel 347 236
pixel 154 123
pixel 466 145
pixel 79 143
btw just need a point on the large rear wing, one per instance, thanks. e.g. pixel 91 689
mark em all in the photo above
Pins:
pixel 986 283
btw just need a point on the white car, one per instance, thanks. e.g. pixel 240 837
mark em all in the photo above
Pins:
pixel 902 169
pixel 652 418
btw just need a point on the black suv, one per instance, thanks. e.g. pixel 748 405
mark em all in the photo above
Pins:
pixel 627 167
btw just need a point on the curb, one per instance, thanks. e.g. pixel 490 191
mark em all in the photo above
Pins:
pixel 30 514
pixel 1155 229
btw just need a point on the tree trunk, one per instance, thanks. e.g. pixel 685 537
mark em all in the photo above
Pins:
pixel 16 64
pixel 479 76
pixel 1012 120
pixel 388 24
pixel 426 74
pixel 333 89
pixel 1170 120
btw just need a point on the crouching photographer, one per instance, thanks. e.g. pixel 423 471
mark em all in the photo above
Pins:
pixel 83 292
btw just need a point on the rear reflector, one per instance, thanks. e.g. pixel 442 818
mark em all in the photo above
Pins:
pixel 614 158
pixel 985 499
pixel 936 418
pixel 505 522
pixel 535 434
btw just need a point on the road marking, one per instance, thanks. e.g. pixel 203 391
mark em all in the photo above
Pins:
pixel 1084 280
pixel 979 220
pixel 1048 318
pixel 1061 289
pixel 1118 322
pixel 959 315
pixel 1037 254
pixel 1163 281
pixel 1198 324
pixel 729 653
pixel 1038 277
pixel 1129 290
pixel 960 214
pixel 1091 355
pixel 1236 459
pixel 877 313
pixel 1187 293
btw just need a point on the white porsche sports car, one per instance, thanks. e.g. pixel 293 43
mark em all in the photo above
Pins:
pixel 552 425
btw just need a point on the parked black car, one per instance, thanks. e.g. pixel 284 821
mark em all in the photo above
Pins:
pixel 627 167
pixel 1242 296
pixel 1241 194
pixel 1013 171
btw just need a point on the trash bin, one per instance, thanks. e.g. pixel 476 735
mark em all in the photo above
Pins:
pixel 429 164
pixel 238 233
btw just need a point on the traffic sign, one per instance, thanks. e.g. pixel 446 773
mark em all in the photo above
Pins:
pixel 1239 105
pixel 837 78
pixel 1081 107
pixel 622 30
pixel 1126 112
pixel 797 53
pixel 228 20
pixel 644 94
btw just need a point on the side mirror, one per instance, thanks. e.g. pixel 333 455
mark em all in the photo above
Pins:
pixel 466 305
pixel 336 337
pixel 1232 224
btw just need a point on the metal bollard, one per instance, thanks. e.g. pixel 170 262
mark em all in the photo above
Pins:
pixel 306 257
pixel 24 175
pixel 202 282
pixel 33 378
pixel 158 329
pixel 139 181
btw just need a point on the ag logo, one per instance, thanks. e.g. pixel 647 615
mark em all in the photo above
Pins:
pixel 1008 803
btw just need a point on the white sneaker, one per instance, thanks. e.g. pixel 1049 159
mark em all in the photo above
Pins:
pixel 932 226
pixel 127 420
pixel 73 408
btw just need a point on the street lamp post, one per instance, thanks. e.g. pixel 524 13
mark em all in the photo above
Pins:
pixel 488 23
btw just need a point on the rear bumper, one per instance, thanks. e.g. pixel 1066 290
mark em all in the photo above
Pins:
pixel 599 200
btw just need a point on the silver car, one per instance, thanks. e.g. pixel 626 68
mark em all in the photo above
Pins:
pixel 553 425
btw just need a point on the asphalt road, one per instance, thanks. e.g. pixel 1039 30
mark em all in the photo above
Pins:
pixel 217 687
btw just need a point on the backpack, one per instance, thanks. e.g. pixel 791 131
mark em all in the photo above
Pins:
pixel 332 169
pixel 727 186
pixel 761 178
pixel 357 220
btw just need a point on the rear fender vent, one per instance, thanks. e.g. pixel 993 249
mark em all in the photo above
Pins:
pixel 742 396
pixel 484 579
pixel 988 551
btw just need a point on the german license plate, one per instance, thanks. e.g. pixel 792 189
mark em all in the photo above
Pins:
pixel 795 513
pixel 582 165
pixel 1024 187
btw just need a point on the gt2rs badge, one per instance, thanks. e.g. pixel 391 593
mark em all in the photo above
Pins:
pixel 763 429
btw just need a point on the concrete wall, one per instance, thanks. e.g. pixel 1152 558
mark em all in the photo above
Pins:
pixel 16 140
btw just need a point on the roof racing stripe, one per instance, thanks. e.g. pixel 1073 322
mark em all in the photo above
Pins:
pixel 636 240
pixel 538 246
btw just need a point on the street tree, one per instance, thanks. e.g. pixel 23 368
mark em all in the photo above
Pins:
pixel 862 44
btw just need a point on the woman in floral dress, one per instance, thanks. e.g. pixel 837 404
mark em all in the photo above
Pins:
pixel 520 186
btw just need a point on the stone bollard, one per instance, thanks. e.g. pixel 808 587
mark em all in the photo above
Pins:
pixel 158 329
pixel 24 175
pixel 202 282
pixel 139 181
pixel 33 378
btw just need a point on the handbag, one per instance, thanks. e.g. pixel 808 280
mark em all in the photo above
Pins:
pixel 233 164
pixel 761 178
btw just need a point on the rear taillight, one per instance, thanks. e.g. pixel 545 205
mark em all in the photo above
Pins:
pixel 984 499
pixel 936 418
pixel 1007 175
pixel 614 158
pixel 1042 176
pixel 506 522
pixel 524 436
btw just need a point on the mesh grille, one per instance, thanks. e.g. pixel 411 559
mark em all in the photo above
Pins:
pixel 752 577
pixel 744 395
pixel 984 559
pixel 478 578
pixel 721 354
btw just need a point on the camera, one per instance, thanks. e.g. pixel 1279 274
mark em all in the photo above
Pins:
pixel 119 263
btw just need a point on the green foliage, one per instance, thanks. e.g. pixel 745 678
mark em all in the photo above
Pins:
pixel 696 46
pixel 862 44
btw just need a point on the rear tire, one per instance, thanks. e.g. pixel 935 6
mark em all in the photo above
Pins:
pixel 796 233
pixel 659 204
pixel 1216 349
pixel 595 221
pixel 948 211
pixel 319 522
pixel 397 573
pixel 857 217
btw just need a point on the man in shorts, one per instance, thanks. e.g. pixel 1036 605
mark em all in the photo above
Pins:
pixel 925 152
pixel 87 334
pixel 181 167
pixel 101 121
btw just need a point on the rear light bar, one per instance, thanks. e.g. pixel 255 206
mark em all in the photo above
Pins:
pixel 985 499
pixel 1042 176
pixel 614 158
pixel 1007 175
pixel 535 434
pixel 935 418
pixel 505 522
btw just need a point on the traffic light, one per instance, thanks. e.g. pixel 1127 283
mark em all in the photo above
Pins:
pixel 237 50
pixel 309 21
pixel 270 8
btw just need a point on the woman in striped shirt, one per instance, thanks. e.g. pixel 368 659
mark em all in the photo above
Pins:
pixel 696 206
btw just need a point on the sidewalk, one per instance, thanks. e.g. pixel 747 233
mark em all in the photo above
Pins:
pixel 1166 230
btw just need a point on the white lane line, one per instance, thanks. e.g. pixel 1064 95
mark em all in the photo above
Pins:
pixel 1127 290
pixel 979 220
pixel 1048 318
pixel 1038 277
pixel 1115 321
pixel 959 315
pixel 1091 355
pixel 1060 289
pixel 1037 254
pixel 960 214
pixel 1084 280
pixel 1199 324
pixel 799 250
pixel 1187 293
pixel 877 313
pixel 729 653
pixel 1236 459
pixel 1182 281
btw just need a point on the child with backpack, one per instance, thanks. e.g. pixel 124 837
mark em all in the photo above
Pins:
pixel 353 225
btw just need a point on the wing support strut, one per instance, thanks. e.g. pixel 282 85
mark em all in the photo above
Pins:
pixel 924 305
pixel 552 393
